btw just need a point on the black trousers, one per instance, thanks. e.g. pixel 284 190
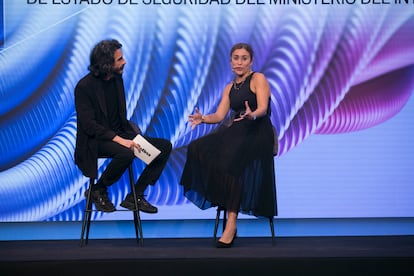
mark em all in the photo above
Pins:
pixel 122 157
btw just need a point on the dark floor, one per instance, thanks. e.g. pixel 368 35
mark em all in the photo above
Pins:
pixel 382 255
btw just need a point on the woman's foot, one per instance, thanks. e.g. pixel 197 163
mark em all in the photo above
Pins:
pixel 222 243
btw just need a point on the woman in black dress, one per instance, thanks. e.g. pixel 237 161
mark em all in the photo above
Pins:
pixel 233 167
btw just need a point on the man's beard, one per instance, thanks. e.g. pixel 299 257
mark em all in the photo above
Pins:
pixel 118 71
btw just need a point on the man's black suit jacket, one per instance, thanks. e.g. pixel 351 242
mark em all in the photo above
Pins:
pixel 92 120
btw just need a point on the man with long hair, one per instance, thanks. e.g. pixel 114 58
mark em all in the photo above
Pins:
pixel 103 130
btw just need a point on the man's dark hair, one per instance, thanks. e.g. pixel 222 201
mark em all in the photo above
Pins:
pixel 102 57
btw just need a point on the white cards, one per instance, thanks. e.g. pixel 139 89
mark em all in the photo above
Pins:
pixel 148 151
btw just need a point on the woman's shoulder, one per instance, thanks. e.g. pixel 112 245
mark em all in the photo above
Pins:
pixel 228 87
pixel 258 78
pixel 258 75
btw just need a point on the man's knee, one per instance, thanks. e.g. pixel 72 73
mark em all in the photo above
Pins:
pixel 163 145
pixel 168 146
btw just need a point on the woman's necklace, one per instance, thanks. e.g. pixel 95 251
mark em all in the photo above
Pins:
pixel 239 85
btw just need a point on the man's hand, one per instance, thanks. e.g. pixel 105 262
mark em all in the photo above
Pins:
pixel 127 143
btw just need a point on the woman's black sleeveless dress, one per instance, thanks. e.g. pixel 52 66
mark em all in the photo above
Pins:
pixel 233 167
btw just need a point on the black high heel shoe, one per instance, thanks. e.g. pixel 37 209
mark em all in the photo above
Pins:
pixel 220 244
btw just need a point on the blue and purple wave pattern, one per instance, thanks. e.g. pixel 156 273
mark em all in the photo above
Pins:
pixel 332 70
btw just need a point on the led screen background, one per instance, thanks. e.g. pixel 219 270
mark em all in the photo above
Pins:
pixel 341 76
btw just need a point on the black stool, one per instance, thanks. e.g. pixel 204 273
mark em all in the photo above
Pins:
pixel 88 212
pixel 219 209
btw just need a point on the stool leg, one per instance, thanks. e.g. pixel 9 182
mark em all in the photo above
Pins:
pixel 219 209
pixel 87 216
pixel 88 224
pixel 217 223
pixel 224 218
pixel 272 229
pixel 137 218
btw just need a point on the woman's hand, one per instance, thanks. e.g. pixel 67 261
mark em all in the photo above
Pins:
pixel 195 119
pixel 248 113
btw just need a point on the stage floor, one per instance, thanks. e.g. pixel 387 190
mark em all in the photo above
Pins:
pixel 370 255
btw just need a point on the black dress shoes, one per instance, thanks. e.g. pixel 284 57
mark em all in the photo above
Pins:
pixel 143 204
pixel 220 244
pixel 101 200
